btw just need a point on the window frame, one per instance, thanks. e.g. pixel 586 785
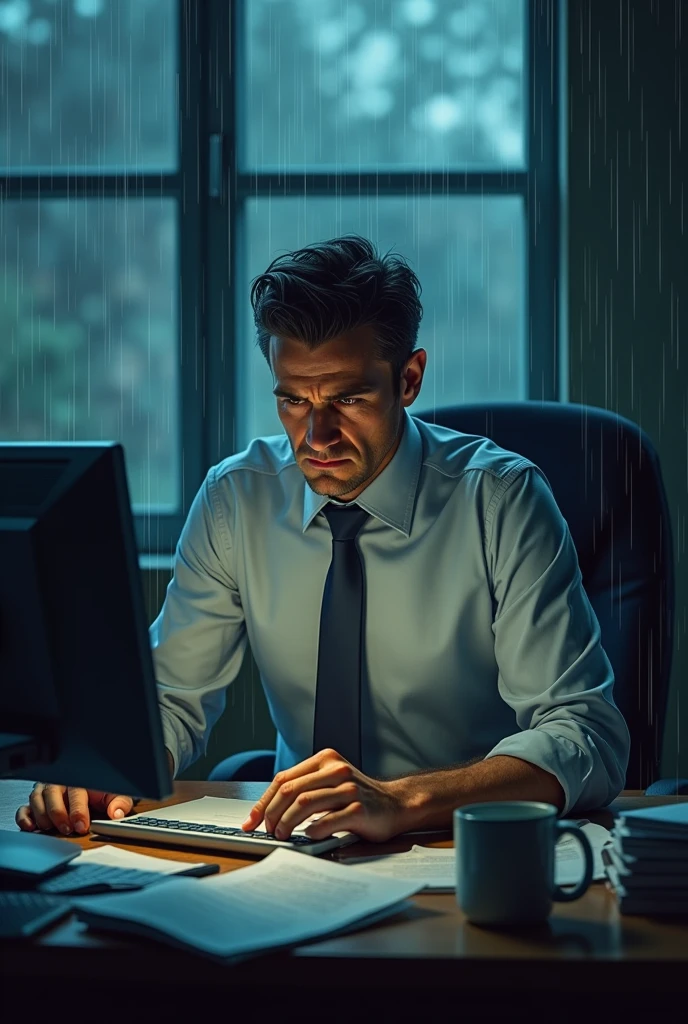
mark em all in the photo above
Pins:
pixel 210 191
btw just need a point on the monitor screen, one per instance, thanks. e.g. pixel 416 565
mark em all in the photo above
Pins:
pixel 76 669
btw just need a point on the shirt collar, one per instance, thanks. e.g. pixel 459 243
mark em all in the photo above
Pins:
pixel 391 495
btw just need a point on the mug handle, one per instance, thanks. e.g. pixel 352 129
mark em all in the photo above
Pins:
pixel 558 893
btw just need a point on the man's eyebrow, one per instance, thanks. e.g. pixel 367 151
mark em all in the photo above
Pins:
pixel 359 388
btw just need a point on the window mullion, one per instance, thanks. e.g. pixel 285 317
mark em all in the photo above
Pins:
pixel 542 257
pixel 291 183
pixel 84 185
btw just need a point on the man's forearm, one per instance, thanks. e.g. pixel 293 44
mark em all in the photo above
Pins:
pixel 429 799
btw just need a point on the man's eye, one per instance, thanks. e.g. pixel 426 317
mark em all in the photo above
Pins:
pixel 298 401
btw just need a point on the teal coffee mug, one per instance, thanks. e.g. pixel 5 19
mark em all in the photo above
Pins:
pixel 505 861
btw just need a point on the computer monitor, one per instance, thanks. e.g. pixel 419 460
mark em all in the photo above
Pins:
pixel 78 700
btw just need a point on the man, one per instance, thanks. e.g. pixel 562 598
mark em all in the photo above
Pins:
pixel 415 608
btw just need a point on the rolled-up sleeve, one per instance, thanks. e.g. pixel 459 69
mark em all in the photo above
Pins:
pixel 199 638
pixel 553 670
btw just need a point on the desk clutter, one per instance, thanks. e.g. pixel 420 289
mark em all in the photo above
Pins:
pixel 71 871
pixel 287 898
pixel 435 869
pixel 109 869
pixel 646 864
pixel 35 894
pixel 283 900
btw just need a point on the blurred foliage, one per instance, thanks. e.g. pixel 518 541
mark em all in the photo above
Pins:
pixel 395 84
pixel 36 350
pixel 88 82
pixel 88 321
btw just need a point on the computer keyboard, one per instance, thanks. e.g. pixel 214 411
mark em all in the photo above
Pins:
pixel 219 830
pixel 222 838
pixel 23 914
pixel 87 879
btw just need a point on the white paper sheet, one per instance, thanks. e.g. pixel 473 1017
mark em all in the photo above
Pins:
pixel 282 900
pixel 217 810
pixel 115 857
pixel 434 869
pixel 569 857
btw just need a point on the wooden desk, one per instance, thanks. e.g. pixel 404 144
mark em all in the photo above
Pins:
pixel 586 962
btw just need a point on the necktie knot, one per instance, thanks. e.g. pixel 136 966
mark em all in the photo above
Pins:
pixel 345 521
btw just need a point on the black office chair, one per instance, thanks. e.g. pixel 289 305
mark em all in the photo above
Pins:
pixel 606 479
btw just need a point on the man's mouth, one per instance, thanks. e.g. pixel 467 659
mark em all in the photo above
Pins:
pixel 328 462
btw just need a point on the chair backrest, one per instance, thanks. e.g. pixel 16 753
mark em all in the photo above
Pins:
pixel 605 476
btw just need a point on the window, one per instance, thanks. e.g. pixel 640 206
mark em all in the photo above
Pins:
pixel 95 331
pixel 155 155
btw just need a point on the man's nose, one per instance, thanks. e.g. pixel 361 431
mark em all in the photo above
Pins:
pixel 322 431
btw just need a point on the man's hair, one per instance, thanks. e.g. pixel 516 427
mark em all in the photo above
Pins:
pixel 321 291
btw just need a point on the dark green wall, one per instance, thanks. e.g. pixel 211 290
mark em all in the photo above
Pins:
pixel 628 289
pixel 626 196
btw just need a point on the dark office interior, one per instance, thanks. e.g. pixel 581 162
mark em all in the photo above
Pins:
pixel 528 159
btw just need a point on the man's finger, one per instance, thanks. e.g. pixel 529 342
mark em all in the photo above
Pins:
pixel 24 819
pixel 56 809
pixel 256 813
pixel 37 805
pixel 307 804
pixel 332 775
pixel 78 809
pixel 117 806
pixel 307 767
pixel 348 819
pixel 273 801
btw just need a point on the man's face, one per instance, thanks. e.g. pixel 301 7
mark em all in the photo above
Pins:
pixel 328 415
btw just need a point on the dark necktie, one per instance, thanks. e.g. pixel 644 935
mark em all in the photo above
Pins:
pixel 338 693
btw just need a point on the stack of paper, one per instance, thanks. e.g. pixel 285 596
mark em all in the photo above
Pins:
pixel 647 863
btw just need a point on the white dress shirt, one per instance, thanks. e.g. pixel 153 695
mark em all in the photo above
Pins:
pixel 479 637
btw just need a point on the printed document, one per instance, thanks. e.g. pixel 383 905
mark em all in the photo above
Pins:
pixel 283 900
pixel 435 869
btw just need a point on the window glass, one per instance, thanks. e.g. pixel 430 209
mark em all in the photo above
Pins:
pixel 397 84
pixel 88 322
pixel 468 253
pixel 88 83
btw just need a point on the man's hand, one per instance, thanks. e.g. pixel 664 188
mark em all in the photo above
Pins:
pixel 327 784
pixel 68 808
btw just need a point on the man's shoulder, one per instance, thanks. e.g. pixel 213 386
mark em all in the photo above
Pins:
pixel 451 453
pixel 264 455
pixel 455 454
